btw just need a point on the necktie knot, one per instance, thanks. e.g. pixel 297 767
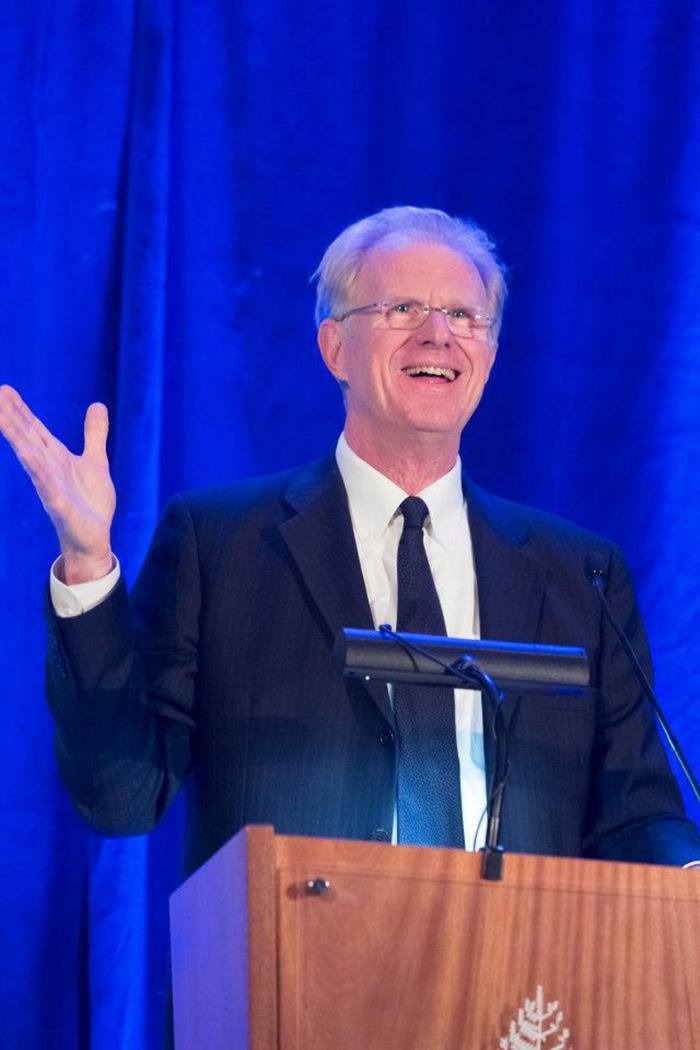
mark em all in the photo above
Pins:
pixel 414 511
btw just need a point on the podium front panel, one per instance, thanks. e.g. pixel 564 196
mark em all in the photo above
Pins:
pixel 410 948
pixel 292 943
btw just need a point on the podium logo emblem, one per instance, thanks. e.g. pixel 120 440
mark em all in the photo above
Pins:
pixel 538 1026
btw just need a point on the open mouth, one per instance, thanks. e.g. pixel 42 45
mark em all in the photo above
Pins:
pixel 446 375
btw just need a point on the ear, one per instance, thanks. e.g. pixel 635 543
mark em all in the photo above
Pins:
pixel 330 343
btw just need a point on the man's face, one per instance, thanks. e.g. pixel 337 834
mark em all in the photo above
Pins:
pixel 383 401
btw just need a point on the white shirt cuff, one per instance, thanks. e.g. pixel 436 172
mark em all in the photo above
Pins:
pixel 79 598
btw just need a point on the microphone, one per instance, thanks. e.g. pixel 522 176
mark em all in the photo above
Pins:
pixel 489 666
pixel 597 577
pixel 427 659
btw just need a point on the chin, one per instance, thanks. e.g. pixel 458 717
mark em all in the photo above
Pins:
pixel 435 427
pixel 436 418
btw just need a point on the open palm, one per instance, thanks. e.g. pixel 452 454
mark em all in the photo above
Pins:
pixel 77 491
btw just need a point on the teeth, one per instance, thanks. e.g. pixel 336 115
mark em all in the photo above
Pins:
pixel 431 370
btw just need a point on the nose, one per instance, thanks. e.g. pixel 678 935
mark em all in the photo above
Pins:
pixel 434 329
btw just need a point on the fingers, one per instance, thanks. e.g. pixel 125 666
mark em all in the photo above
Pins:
pixel 96 430
pixel 34 444
pixel 14 403
pixel 26 434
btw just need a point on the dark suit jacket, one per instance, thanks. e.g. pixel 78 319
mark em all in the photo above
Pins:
pixel 220 671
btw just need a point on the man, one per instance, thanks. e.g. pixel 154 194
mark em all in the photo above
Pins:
pixel 219 671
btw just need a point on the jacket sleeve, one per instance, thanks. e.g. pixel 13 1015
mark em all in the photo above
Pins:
pixel 635 812
pixel 121 686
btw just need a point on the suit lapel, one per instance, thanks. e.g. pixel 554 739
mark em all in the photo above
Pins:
pixel 321 541
pixel 511 586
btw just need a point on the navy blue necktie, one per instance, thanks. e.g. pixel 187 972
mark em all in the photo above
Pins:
pixel 428 793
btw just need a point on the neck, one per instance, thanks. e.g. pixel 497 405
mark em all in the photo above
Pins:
pixel 412 467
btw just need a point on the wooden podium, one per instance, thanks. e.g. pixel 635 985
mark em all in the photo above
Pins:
pixel 314 944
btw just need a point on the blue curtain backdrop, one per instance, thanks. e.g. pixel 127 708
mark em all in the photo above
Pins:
pixel 170 173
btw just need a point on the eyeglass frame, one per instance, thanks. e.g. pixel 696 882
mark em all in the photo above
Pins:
pixel 480 322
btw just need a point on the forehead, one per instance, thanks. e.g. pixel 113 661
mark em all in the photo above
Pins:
pixel 426 271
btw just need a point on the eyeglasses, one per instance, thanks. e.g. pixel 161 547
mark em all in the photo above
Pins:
pixel 409 314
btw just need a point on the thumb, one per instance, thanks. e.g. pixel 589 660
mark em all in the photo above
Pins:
pixel 96 429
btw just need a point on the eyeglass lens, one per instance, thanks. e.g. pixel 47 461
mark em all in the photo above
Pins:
pixel 413 314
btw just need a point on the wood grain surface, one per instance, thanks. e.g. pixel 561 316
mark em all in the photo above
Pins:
pixel 410 949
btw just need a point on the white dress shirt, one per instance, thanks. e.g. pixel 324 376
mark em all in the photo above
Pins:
pixel 377 524
pixel 77 598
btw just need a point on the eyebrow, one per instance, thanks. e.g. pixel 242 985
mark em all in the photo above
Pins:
pixel 451 304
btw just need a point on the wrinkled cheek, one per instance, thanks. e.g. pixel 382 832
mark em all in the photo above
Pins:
pixel 477 383
pixel 481 374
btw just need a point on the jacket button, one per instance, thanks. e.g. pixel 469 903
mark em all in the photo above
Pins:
pixel 379 835
pixel 387 737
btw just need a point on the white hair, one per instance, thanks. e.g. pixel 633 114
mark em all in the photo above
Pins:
pixel 343 259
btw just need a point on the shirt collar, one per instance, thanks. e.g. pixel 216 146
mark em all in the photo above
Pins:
pixel 374 498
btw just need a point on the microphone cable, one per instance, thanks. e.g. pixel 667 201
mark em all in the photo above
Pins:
pixel 597 577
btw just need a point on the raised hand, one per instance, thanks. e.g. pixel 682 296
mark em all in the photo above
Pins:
pixel 77 491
